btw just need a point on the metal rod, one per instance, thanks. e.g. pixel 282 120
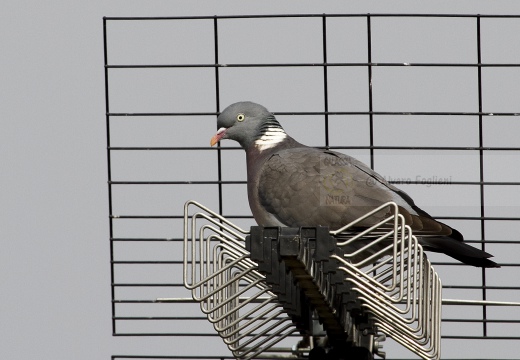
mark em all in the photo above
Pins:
pixel 266 16
pixel 313 64
pixel 479 302
pixel 370 93
pixel 217 105
pixel 303 113
pixel 481 173
pixel 109 170
pixel 375 147
pixel 325 80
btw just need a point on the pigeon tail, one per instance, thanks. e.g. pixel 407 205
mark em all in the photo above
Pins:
pixel 458 250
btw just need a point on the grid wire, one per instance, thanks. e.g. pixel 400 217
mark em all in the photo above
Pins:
pixel 134 292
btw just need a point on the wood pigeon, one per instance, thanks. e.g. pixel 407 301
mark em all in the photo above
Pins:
pixel 290 184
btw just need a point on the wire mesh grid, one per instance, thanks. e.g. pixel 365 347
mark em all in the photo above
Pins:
pixel 429 101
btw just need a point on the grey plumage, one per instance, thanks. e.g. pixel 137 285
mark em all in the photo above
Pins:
pixel 290 184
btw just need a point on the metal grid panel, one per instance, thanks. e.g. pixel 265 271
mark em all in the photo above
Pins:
pixel 351 80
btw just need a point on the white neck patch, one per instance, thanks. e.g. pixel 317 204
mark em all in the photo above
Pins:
pixel 270 138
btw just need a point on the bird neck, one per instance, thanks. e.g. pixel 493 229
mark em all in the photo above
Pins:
pixel 270 134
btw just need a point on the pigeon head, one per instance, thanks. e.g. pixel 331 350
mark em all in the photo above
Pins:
pixel 250 124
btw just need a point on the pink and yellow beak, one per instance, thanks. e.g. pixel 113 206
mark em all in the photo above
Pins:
pixel 219 135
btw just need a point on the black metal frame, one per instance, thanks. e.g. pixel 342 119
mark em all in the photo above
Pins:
pixel 481 149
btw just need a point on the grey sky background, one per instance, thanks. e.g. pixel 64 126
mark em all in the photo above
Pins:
pixel 54 262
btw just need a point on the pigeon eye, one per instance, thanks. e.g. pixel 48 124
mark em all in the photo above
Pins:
pixel 241 117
